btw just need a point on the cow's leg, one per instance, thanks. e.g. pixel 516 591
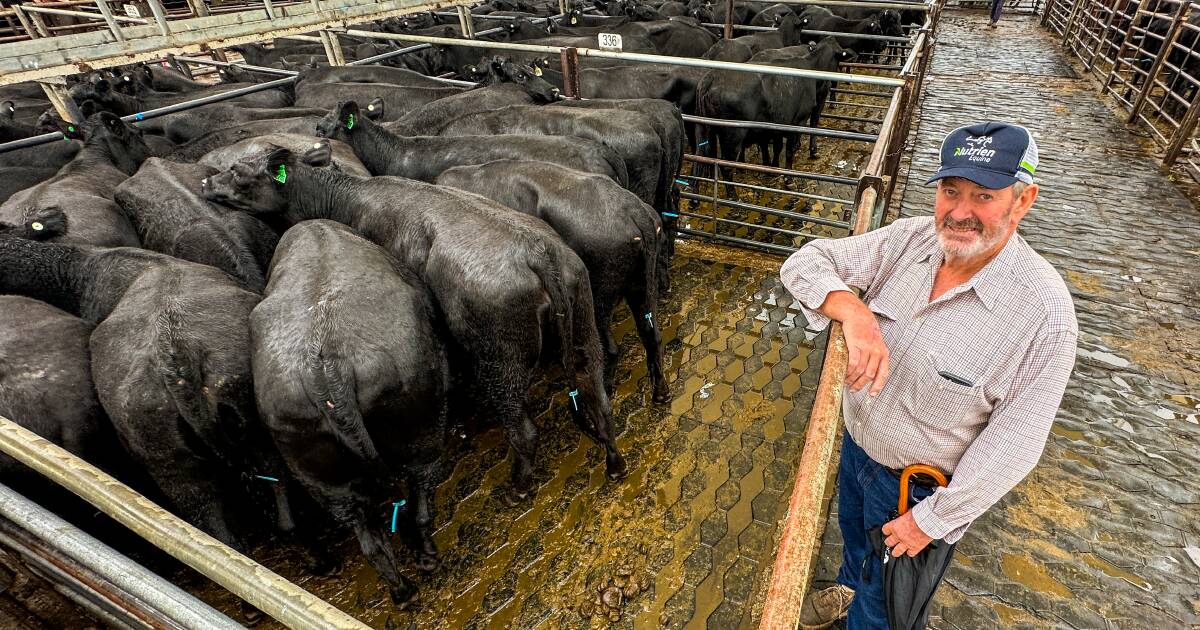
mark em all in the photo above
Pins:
pixel 378 550
pixel 604 306
pixel 503 377
pixel 641 303
pixel 591 408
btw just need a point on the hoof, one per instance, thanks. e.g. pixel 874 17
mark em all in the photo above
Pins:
pixel 428 563
pixel 404 594
pixel 662 394
pixel 512 498
pixel 323 564
pixel 618 471
pixel 250 615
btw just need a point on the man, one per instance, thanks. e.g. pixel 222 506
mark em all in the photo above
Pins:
pixel 959 352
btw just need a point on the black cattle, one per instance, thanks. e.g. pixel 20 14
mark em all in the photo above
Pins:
pixel 54 155
pixel 12 129
pixel 163 203
pixel 400 99
pixel 187 126
pixel 771 15
pixel 507 288
pixel 711 12
pixel 775 99
pixel 368 74
pixel 351 380
pixel 198 148
pixel 628 134
pixel 821 19
pixel 157 77
pixel 14 179
pixel 343 158
pixel 787 34
pixel 424 158
pixel 680 37
pixel 616 235
pixel 46 387
pixel 171 364
pixel 83 189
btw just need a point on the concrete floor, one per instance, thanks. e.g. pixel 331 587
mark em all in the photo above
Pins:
pixel 1105 533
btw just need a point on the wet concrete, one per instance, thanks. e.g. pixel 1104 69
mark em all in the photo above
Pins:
pixel 687 540
pixel 1105 533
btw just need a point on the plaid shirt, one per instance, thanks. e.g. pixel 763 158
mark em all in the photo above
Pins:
pixel 1009 331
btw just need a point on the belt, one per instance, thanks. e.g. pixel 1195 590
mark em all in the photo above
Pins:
pixel 921 480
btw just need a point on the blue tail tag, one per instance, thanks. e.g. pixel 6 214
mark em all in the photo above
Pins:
pixel 575 403
pixel 670 214
pixel 266 478
pixel 702 144
pixel 681 182
pixel 396 512
pixel 650 318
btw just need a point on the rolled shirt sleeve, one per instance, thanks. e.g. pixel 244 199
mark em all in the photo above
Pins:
pixel 1011 444
pixel 827 265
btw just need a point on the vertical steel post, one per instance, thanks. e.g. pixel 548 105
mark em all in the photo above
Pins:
pixel 62 102
pixel 327 43
pixel 1112 73
pixel 25 23
pixel 728 19
pixel 1112 13
pixel 570 71
pixel 1046 12
pixel 336 43
pixel 160 16
pixel 1168 44
pixel 270 9
pixel 1066 43
pixel 1182 135
pixel 39 23
pixel 108 18
pixel 465 22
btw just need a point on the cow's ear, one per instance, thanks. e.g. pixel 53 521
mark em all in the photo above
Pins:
pixel 70 130
pixel 8 110
pixel 276 164
pixel 321 154
pixel 846 55
pixel 45 223
pixel 778 20
pixel 375 109
pixel 348 114
pixel 497 66
pixel 102 86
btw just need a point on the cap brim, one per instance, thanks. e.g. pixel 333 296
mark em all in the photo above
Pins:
pixel 983 177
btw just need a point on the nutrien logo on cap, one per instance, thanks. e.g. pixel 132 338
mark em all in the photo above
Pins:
pixel 978 151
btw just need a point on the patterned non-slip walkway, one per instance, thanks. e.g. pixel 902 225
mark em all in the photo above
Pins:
pixel 1105 533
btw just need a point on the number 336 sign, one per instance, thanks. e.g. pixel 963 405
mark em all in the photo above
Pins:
pixel 610 41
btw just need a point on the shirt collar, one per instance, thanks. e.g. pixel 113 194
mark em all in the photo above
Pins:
pixel 988 283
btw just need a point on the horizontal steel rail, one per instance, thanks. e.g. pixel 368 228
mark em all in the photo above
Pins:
pixel 105 580
pixel 772 170
pixel 880 38
pixel 270 593
pixel 742 205
pixel 766 189
pixel 59 56
pixel 734 240
pixel 769 126
pixel 645 57
pixel 33 8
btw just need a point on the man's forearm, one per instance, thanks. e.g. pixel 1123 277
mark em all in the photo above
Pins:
pixel 844 306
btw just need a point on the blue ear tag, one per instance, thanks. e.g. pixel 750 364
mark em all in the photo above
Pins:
pixel 396 512
pixel 281 176
pixel 575 403
pixel 266 478
pixel 350 121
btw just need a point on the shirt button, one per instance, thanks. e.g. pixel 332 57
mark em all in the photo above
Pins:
pixel 941 387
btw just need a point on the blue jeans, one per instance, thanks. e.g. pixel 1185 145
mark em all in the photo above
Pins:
pixel 867 495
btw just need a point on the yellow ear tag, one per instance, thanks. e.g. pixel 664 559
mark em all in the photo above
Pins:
pixel 36 226
pixel 574 20
pixel 370 108
pixel 537 71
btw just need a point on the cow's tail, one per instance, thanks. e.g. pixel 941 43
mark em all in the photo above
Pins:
pixel 331 388
pixel 179 365
pixel 548 266
pixel 652 236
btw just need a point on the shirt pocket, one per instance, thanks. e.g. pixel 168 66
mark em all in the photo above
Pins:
pixel 937 402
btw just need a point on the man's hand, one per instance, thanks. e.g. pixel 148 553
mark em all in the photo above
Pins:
pixel 903 536
pixel 868 355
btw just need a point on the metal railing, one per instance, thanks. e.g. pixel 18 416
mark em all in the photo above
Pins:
pixel 1146 53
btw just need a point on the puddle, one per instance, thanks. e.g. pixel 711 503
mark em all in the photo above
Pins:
pixel 1113 570
pixel 1107 358
pixel 1028 573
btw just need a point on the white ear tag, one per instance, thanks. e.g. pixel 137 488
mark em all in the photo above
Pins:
pixel 36 226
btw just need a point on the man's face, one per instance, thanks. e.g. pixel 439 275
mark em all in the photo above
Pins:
pixel 973 221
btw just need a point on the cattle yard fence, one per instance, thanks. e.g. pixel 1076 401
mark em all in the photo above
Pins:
pixel 1146 56
pixel 710 209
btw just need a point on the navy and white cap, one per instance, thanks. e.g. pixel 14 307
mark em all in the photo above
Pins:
pixel 992 154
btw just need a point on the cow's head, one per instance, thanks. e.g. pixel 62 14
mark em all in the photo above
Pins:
pixel 135 80
pixel 120 140
pixel 256 184
pixel 504 70
pixel 341 122
pixel 37 224
pixel 7 111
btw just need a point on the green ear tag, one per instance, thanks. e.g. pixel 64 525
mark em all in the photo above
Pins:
pixel 71 128
pixel 350 121
pixel 281 176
